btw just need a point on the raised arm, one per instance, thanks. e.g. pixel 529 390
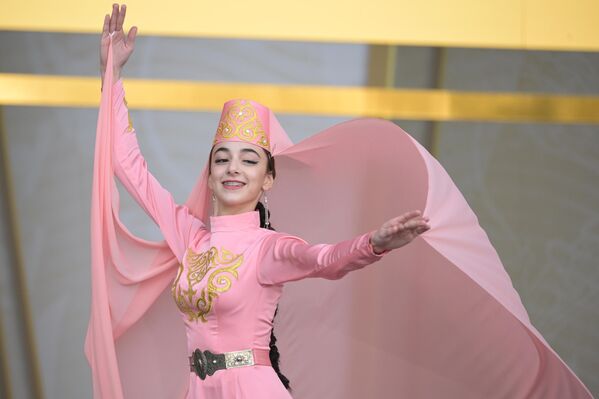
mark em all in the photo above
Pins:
pixel 286 258
pixel 175 221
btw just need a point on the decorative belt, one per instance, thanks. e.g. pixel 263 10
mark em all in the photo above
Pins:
pixel 207 363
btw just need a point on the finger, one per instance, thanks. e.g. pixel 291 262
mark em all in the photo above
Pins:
pixel 411 219
pixel 421 219
pixel 421 226
pixel 421 230
pixel 106 25
pixel 408 215
pixel 113 17
pixel 397 225
pixel 131 36
pixel 422 223
pixel 121 18
pixel 411 214
pixel 394 229
pixel 410 225
pixel 111 23
pixel 424 226
pixel 415 218
pixel 414 223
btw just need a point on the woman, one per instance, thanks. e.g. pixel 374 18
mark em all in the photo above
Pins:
pixel 231 275
pixel 454 325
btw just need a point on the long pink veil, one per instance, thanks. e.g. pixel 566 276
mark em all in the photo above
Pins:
pixel 436 318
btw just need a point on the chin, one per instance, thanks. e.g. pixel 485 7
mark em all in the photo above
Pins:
pixel 234 201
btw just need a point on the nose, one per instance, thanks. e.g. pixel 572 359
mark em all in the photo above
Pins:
pixel 233 167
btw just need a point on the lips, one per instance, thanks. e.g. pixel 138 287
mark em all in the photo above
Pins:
pixel 236 184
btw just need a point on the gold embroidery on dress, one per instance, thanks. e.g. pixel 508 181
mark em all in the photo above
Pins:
pixel 130 127
pixel 219 267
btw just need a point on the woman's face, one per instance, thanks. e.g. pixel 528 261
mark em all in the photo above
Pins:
pixel 238 177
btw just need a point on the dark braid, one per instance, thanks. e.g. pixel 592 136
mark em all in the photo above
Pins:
pixel 274 351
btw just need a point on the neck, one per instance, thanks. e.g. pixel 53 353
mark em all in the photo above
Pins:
pixel 243 221
pixel 234 210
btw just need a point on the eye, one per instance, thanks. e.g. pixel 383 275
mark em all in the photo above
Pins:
pixel 220 160
pixel 251 162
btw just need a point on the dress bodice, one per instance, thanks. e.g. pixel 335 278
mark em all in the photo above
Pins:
pixel 216 289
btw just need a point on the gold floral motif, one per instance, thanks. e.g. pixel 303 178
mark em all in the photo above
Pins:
pixel 242 121
pixel 220 268
pixel 130 127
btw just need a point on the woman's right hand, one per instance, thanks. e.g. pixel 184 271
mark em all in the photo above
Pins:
pixel 122 46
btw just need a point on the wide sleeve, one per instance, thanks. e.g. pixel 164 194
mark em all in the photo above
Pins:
pixel 286 258
pixel 175 221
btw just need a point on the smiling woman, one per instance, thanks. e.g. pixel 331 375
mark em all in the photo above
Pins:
pixel 226 270
pixel 238 176
pixel 230 276
pixel 235 269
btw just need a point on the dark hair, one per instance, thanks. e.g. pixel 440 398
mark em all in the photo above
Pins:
pixel 274 351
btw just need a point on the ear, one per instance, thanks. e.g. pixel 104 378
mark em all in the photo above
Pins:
pixel 268 182
pixel 210 183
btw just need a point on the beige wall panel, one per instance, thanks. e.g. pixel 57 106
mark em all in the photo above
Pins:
pixel 534 189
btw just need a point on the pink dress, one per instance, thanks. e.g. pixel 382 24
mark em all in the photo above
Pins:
pixel 445 320
pixel 231 275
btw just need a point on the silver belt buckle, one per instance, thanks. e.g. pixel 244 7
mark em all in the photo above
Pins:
pixel 239 358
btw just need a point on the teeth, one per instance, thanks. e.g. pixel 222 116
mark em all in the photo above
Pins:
pixel 230 183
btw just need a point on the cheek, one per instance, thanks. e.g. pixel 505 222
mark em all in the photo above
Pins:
pixel 257 178
pixel 216 171
pixel 215 176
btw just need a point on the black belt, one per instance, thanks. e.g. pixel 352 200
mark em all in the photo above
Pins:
pixel 205 363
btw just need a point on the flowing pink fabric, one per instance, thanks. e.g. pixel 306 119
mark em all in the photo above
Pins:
pixel 436 318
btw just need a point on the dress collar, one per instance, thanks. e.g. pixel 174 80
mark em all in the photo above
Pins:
pixel 241 221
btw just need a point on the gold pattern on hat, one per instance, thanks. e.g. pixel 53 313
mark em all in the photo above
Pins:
pixel 241 121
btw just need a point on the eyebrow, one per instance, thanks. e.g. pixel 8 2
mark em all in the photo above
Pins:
pixel 242 150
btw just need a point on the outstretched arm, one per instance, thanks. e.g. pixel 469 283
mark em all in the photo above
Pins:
pixel 286 258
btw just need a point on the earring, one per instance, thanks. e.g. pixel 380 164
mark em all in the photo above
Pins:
pixel 266 222
pixel 213 204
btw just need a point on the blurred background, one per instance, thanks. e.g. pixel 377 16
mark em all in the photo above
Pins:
pixel 504 93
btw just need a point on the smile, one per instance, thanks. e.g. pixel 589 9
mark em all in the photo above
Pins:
pixel 233 185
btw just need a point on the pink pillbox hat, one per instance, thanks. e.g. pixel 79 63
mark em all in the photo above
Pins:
pixel 251 122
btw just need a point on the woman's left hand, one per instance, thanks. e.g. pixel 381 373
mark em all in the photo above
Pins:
pixel 399 231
